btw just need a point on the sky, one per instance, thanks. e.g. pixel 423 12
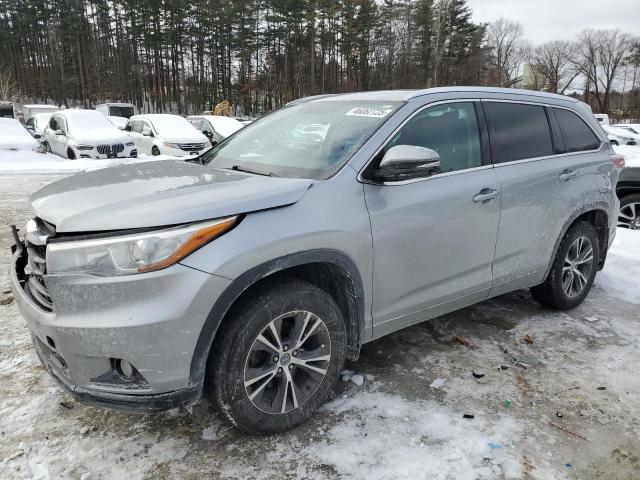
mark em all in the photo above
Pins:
pixel 545 20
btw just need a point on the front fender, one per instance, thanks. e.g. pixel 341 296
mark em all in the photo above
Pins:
pixel 254 275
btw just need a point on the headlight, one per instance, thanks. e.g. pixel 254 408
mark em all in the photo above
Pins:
pixel 84 147
pixel 172 145
pixel 137 253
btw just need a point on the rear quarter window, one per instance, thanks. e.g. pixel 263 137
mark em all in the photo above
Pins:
pixel 518 131
pixel 578 137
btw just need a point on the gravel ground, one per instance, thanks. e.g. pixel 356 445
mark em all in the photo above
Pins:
pixel 393 416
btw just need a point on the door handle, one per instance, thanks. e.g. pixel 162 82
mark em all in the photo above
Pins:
pixel 485 195
pixel 568 175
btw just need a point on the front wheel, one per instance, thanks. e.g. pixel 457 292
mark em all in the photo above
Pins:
pixel 277 358
pixel 155 151
pixel 573 269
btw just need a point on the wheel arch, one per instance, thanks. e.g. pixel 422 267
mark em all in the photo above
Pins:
pixel 331 270
pixel 597 215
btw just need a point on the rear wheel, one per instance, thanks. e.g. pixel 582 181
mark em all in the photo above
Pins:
pixel 573 270
pixel 277 358
pixel 629 215
pixel 155 151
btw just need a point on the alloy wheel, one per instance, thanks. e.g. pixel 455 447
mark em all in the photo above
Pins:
pixel 287 362
pixel 577 266
pixel 629 216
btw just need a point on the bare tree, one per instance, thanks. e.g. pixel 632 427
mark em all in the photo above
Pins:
pixel 600 56
pixel 553 61
pixel 505 42
pixel 8 86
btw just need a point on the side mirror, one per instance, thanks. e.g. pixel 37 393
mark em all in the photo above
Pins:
pixel 404 162
pixel 147 133
pixel 207 133
pixel 58 133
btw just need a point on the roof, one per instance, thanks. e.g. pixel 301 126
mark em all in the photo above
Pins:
pixel 114 104
pixel 406 95
pixel 41 106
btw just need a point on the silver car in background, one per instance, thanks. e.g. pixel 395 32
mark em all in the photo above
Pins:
pixel 250 273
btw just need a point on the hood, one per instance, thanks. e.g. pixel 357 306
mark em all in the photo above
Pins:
pixel 156 194
pixel 185 139
pixel 96 137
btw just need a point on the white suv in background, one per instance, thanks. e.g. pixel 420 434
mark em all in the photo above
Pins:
pixel 165 134
pixel 86 134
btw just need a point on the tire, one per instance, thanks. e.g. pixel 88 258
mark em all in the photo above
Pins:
pixel 629 215
pixel 70 154
pixel 155 151
pixel 553 292
pixel 237 354
pixel 47 147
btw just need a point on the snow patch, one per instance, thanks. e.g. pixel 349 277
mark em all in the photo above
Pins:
pixel 381 433
pixel 621 275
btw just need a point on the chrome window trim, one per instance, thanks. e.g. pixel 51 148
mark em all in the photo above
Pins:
pixel 361 179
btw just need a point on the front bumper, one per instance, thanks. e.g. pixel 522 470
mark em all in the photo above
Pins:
pixel 152 321
pixel 128 152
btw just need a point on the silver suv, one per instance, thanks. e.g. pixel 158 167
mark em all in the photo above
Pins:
pixel 250 274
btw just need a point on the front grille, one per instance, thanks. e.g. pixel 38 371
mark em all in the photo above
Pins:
pixel 111 149
pixel 35 241
pixel 191 147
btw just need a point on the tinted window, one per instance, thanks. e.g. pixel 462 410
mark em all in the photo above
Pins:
pixel 576 133
pixel 517 131
pixel 53 125
pixel 126 112
pixel 31 122
pixel 450 129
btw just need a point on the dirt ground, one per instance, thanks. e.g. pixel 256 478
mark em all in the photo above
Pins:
pixel 387 420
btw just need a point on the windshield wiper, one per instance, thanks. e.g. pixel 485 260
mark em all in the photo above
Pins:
pixel 238 168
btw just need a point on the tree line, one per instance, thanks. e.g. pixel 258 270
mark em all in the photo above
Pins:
pixel 186 56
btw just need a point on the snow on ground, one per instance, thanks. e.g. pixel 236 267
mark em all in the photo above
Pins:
pixel 386 422
pixel 621 276
pixel 631 154
pixel 29 162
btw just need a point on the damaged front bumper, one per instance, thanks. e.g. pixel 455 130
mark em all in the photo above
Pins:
pixel 150 321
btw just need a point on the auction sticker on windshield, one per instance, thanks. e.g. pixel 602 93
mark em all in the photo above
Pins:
pixel 368 111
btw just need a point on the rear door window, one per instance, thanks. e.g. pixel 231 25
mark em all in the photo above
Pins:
pixel 578 137
pixel 518 131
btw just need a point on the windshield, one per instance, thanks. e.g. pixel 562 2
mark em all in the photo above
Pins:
pixel 173 126
pixel 308 140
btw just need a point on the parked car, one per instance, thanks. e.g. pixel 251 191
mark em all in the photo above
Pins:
pixel 37 124
pixel 619 136
pixel 14 136
pixel 29 111
pixel 164 134
pixel 86 134
pixel 120 122
pixel 630 127
pixel 215 127
pixel 249 275
pixel 628 190
pixel 126 110
pixel 7 110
